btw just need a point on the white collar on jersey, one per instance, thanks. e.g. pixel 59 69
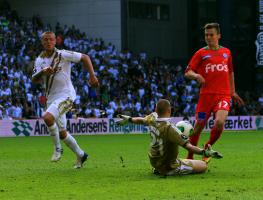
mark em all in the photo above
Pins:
pixel 44 55
pixel 163 119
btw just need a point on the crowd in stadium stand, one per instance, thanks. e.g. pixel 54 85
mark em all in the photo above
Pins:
pixel 130 83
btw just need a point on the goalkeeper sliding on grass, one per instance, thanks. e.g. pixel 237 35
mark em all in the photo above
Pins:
pixel 166 139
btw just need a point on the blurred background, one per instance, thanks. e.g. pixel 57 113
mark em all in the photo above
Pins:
pixel 139 49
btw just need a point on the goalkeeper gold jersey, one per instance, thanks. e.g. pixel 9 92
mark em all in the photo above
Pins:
pixel 164 145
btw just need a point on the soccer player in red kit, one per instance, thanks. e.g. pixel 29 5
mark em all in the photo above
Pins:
pixel 212 68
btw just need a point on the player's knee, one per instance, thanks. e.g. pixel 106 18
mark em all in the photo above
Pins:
pixel 49 119
pixel 199 126
pixel 202 167
pixel 62 135
pixel 219 124
pixel 199 166
pixel 205 167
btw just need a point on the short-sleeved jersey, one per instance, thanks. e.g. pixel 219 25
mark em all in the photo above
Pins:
pixel 216 67
pixel 59 84
pixel 164 146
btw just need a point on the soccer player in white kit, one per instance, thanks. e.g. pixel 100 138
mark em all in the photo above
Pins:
pixel 53 66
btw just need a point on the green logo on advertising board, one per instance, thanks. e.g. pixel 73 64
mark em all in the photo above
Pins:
pixel 21 127
pixel 259 123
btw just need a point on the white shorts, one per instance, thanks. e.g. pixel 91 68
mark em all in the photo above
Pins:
pixel 183 166
pixel 58 109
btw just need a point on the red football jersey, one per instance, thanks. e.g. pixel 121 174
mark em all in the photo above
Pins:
pixel 215 66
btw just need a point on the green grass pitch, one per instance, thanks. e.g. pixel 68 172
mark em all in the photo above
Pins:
pixel 118 168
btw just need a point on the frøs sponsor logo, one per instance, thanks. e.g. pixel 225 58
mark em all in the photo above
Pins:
pixel 215 67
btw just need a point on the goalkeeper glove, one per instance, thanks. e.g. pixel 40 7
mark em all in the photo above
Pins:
pixel 209 152
pixel 125 119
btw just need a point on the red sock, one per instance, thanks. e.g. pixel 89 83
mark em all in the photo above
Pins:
pixel 194 141
pixel 214 136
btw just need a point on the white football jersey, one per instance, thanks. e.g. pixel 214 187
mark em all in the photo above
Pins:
pixel 58 84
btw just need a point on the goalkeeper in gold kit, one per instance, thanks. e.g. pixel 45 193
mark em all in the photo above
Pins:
pixel 166 139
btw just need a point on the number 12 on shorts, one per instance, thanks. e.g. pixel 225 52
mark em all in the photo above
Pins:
pixel 223 104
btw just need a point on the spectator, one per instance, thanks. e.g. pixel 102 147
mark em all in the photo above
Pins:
pixel 124 74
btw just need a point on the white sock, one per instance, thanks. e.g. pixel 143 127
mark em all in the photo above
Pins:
pixel 73 145
pixel 53 130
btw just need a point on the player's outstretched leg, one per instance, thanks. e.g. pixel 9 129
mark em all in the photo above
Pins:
pixel 199 166
pixel 54 133
pixel 57 145
pixel 73 145
pixel 215 134
pixel 194 141
pixel 188 166
pixel 217 130
pixel 81 160
pixel 195 137
pixel 56 154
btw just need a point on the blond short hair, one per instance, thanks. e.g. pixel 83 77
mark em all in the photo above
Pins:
pixel 47 32
pixel 162 106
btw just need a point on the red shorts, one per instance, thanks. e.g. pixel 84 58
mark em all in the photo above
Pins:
pixel 211 103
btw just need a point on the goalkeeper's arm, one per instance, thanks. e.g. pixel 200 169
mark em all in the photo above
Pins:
pixel 193 149
pixel 138 120
pixel 148 120
pixel 209 152
pixel 127 119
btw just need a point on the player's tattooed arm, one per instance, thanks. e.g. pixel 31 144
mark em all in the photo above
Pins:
pixel 236 98
pixel 85 59
pixel 190 74
pixel 45 71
